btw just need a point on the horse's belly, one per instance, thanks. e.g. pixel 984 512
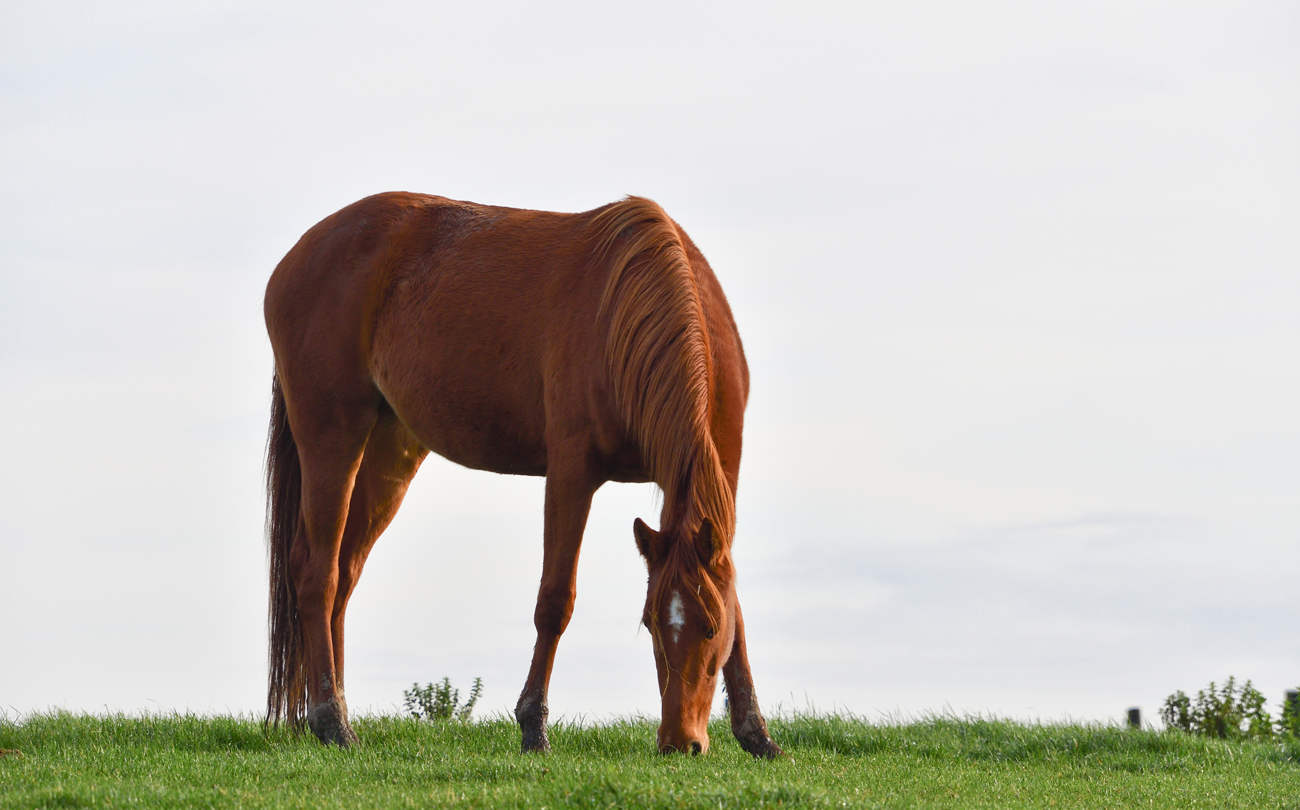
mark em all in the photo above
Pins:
pixel 485 446
pixel 471 407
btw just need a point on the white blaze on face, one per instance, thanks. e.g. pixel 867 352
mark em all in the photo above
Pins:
pixel 676 616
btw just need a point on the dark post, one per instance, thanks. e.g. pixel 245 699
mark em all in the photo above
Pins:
pixel 1135 718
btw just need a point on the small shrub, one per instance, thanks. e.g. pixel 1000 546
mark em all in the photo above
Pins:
pixel 1259 726
pixel 1227 712
pixel 1288 725
pixel 1177 711
pixel 441 701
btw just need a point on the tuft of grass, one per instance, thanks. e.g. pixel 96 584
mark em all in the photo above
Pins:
pixel 71 760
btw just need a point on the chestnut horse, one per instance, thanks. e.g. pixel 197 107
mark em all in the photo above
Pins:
pixel 585 348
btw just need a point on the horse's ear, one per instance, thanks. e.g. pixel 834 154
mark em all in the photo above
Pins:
pixel 705 542
pixel 648 541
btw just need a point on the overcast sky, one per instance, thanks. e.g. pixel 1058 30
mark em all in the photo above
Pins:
pixel 1018 285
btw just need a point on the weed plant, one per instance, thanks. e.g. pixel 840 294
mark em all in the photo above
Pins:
pixel 1230 712
pixel 1288 725
pixel 441 701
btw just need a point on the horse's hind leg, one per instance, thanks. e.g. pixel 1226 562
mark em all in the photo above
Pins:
pixel 391 457
pixel 330 443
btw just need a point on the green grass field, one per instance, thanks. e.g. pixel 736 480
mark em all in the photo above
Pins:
pixel 178 761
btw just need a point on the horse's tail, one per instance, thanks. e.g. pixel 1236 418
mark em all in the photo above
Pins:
pixel 660 361
pixel 286 697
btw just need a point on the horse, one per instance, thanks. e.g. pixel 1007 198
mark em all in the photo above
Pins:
pixel 585 348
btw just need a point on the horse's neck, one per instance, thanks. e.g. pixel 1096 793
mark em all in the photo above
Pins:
pixel 706 494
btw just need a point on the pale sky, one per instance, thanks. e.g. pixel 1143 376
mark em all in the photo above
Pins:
pixel 1018 285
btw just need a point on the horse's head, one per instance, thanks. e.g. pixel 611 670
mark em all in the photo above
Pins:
pixel 690 612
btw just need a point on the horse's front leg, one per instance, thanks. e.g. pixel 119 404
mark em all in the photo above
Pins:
pixel 569 489
pixel 747 721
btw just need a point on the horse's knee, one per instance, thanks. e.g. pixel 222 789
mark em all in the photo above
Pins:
pixel 342 591
pixel 312 576
pixel 310 584
pixel 554 609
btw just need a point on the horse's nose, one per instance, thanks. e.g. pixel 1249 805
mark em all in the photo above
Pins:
pixel 692 747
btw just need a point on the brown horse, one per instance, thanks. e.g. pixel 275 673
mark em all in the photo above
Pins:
pixel 585 348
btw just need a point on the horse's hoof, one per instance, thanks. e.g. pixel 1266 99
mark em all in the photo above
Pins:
pixel 535 743
pixel 329 722
pixel 531 715
pixel 347 738
pixel 534 736
pixel 760 746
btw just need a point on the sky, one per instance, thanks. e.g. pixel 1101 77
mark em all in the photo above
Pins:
pixel 1017 284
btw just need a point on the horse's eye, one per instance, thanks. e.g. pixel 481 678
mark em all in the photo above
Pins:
pixel 709 634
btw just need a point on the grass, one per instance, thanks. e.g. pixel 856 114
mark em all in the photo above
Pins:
pixel 72 760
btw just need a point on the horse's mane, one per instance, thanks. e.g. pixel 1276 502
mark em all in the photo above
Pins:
pixel 661 367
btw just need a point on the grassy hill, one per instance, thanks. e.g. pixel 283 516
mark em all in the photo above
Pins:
pixel 71 760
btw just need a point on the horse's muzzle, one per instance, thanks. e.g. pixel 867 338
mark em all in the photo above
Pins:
pixel 691 746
